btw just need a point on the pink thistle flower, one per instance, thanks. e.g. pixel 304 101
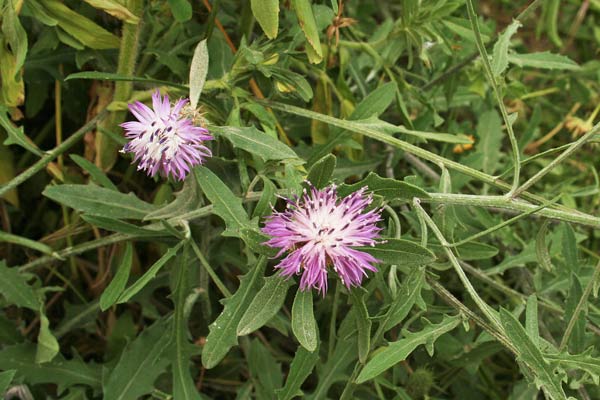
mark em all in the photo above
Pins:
pixel 319 231
pixel 163 140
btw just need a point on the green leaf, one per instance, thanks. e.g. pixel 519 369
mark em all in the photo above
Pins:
pixel 293 82
pixel 78 26
pixel 301 367
pixel 141 362
pixel 77 316
pixel 102 202
pixel 489 131
pixel 223 331
pixel 13 42
pixel 14 35
pixel 388 356
pixel 117 285
pixel 584 362
pixel 470 250
pixel 148 275
pixel 255 241
pixel 569 248
pixel 115 9
pixel 255 142
pixel 16 135
pixel 531 320
pixel 266 13
pixel 265 305
pixel 6 378
pixel 543 60
pixel 95 173
pixel 576 343
pixel 108 76
pixel 47 346
pixel 407 296
pixel 375 124
pixel 541 249
pixel 500 53
pixel 61 372
pixel 181 9
pixel 344 355
pixel 198 71
pixel 117 225
pixel 226 204
pixel 188 199
pixel 304 325
pixel 263 207
pixel 529 354
pixel 363 323
pixel 374 104
pixel 388 188
pixel 552 11
pixel 320 172
pixel 400 252
pixel 307 22
pixel 15 289
pixel 183 385
pixel 264 369
pixel 22 241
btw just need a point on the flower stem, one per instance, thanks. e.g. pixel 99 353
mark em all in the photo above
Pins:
pixel 332 321
pixel 487 310
pixel 210 270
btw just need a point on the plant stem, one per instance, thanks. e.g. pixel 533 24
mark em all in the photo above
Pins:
pixel 332 321
pixel 514 205
pixel 50 155
pixel 505 223
pixel 353 126
pixel 210 270
pixel 570 150
pixel 543 302
pixel 584 297
pixel 454 302
pixel 498 94
pixel 118 237
pixel 487 310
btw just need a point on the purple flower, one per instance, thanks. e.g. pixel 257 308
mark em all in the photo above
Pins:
pixel 320 231
pixel 163 140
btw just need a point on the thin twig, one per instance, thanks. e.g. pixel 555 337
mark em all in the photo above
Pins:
pixel 570 150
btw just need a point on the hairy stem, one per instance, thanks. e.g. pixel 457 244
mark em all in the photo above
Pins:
pixel 485 309
pixel 516 154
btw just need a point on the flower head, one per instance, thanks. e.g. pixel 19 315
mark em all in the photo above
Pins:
pixel 319 231
pixel 163 140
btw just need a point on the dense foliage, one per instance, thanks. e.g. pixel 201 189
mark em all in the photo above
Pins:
pixel 470 123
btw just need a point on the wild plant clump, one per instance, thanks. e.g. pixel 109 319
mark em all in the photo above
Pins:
pixel 270 199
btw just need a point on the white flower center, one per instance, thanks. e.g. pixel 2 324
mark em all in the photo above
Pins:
pixel 161 140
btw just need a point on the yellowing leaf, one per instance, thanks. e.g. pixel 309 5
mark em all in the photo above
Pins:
pixel 78 26
pixel 266 13
pixel 307 22
pixel 115 9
